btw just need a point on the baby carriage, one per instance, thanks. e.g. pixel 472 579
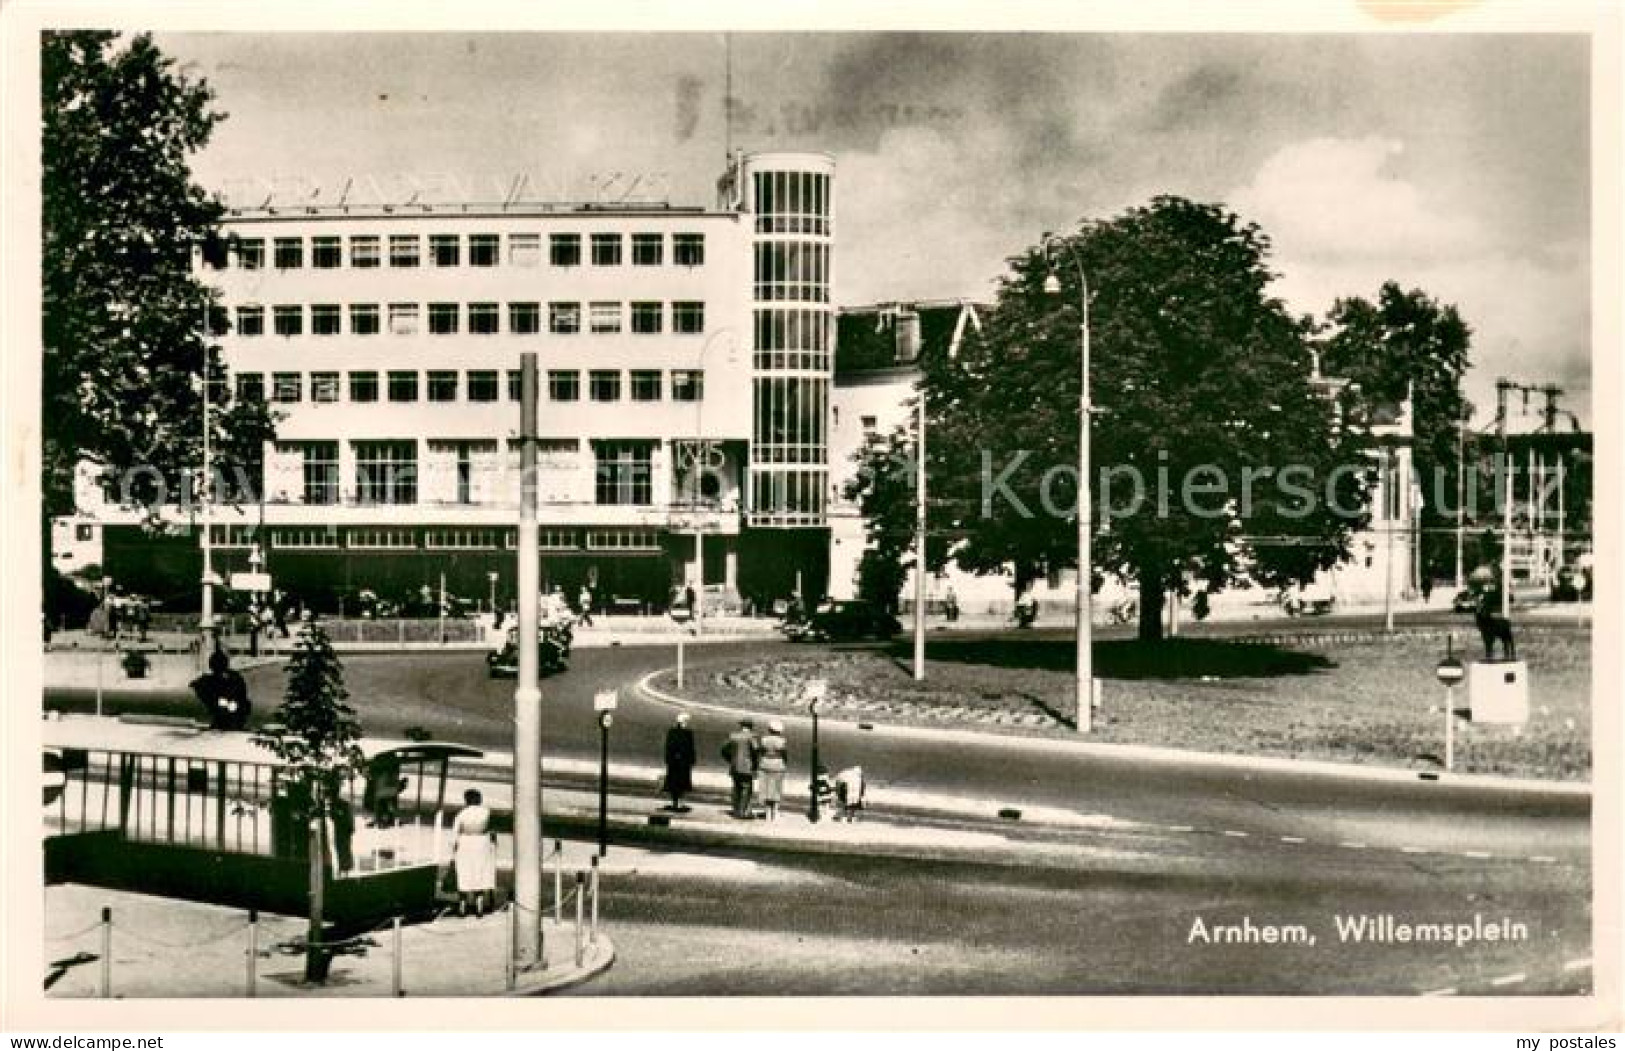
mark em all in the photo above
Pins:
pixel 842 794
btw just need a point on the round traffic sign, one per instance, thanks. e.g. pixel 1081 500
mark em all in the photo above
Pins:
pixel 1450 671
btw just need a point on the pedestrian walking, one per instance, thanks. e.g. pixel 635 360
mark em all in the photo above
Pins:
pixel 741 752
pixel 142 615
pixel 774 759
pixel 343 818
pixel 382 793
pixel 253 627
pixel 268 624
pixel 585 599
pixel 950 605
pixel 279 613
pixel 849 788
pixel 474 855
pixel 680 758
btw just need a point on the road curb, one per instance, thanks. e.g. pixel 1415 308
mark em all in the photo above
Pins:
pixel 1147 753
pixel 600 958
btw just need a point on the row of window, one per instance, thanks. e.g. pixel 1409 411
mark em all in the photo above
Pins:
pixel 369 251
pixel 485 319
pixel 386 472
pixel 477 385
pixel 454 538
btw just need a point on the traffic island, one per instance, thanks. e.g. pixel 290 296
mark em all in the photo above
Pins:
pixel 1369 700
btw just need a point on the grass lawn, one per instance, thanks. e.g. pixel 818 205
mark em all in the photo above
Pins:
pixel 1374 701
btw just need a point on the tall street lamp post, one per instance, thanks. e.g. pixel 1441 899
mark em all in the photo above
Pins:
pixel 919 535
pixel 1085 658
pixel 206 498
pixel 527 767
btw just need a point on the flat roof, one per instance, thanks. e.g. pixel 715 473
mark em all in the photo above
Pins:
pixel 483 210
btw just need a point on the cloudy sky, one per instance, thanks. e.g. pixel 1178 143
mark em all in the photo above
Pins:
pixel 1459 164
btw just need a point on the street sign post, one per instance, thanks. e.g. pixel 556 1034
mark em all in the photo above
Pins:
pixel 604 702
pixel 1450 673
pixel 684 617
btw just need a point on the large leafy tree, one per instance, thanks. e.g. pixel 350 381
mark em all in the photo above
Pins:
pixel 1409 344
pixel 1201 381
pixel 124 314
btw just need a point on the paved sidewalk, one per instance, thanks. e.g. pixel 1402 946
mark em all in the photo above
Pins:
pixel 163 947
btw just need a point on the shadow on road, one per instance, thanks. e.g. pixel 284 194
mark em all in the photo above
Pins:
pixel 1131 658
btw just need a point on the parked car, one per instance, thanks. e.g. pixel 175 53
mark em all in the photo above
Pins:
pixel 844 622
pixel 1307 601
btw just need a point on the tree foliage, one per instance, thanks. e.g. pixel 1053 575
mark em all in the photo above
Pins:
pixel 1408 344
pixel 314 732
pixel 123 313
pixel 1200 381
pixel 884 490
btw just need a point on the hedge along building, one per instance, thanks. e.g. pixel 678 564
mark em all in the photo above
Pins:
pixel 685 361
pixel 878 353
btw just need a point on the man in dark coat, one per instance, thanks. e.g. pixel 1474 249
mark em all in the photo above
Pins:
pixel 680 758
pixel 224 693
pixel 741 751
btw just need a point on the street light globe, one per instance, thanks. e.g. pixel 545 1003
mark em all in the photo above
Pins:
pixel 1052 285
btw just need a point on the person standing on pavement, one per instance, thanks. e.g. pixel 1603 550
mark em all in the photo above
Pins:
pixel 775 757
pixel 474 856
pixel 741 751
pixel 585 599
pixel 680 758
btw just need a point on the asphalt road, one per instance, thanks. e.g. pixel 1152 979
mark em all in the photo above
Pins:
pixel 1117 922
pixel 1207 841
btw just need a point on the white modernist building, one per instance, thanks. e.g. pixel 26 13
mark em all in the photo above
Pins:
pixel 685 359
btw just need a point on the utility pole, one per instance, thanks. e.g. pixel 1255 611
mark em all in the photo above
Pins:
pixel 919 537
pixel 206 497
pixel 1390 514
pixel 1502 387
pixel 527 697
pixel 699 574
pixel 1461 500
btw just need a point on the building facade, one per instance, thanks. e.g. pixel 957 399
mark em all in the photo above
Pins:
pixel 877 378
pixel 685 360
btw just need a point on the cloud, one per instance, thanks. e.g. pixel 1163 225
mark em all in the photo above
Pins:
pixel 1343 221
pixel 1341 199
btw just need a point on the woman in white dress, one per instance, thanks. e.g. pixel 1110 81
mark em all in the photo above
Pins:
pixel 474 855
pixel 775 755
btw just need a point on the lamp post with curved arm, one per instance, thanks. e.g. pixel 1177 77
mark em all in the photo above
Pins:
pixel 1085 658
